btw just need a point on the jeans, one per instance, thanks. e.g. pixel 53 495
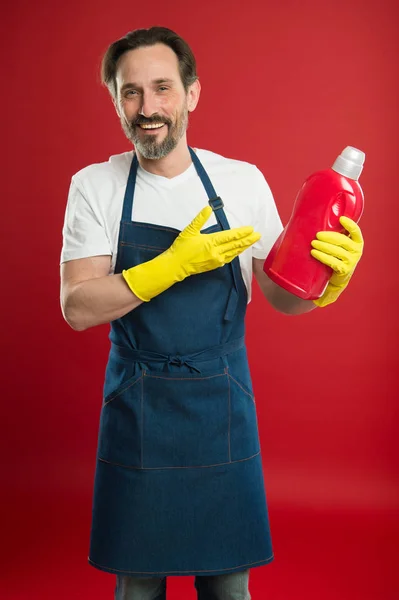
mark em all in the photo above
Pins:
pixel 233 586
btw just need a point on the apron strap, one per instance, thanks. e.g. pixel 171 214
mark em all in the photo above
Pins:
pixel 217 205
pixel 129 191
pixel 127 205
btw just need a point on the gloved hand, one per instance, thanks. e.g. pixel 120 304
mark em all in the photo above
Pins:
pixel 341 253
pixel 192 252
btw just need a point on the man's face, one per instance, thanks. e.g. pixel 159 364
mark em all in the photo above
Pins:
pixel 151 101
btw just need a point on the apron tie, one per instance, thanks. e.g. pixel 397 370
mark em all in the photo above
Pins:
pixel 182 360
pixel 190 360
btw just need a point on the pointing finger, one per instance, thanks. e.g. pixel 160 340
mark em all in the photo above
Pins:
pixel 238 233
pixel 243 243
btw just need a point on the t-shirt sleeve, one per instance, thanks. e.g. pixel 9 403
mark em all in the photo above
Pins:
pixel 267 219
pixel 83 233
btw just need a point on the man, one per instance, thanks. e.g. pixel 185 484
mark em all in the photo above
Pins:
pixel 178 485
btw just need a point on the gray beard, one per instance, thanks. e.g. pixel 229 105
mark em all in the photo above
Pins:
pixel 148 147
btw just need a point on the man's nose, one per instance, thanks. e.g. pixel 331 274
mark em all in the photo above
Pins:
pixel 148 105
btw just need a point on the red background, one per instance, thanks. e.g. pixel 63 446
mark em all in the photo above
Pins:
pixel 285 86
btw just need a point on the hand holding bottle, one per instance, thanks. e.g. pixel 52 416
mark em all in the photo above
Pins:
pixel 341 253
pixel 324 198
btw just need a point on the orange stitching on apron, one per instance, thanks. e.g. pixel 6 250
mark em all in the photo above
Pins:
pixel 166 572
pixel 189 467
pixel 240 386
pixel 123 390
pixel 144 246
pixel 183 378
pixel 152 226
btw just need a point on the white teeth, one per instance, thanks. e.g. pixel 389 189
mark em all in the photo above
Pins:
pixel 155 126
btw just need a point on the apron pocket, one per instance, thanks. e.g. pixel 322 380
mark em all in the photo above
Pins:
pixel 165 420
pixel 121 424
pixel 185 419
pixel 244 435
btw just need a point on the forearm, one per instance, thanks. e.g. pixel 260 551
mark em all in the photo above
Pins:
pixel 98 301
pixel 288 303
pixel 279 298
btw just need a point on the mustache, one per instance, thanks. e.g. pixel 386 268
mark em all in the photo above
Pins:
pixel 148 121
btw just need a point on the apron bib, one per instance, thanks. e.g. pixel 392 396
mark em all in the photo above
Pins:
pixel 178 487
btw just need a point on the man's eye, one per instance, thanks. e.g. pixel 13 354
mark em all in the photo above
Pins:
pixel 162 88
pixel 131 92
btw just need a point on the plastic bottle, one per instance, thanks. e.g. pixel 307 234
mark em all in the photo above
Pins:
pixel 324 198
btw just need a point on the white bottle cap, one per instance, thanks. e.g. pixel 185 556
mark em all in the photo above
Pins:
pixel 350 162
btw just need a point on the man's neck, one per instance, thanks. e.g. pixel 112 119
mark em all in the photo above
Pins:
pixel 175 163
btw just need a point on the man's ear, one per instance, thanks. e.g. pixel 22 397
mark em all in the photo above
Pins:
pixel 193 95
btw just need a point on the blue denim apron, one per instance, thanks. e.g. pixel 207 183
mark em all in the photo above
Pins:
pixel 179 486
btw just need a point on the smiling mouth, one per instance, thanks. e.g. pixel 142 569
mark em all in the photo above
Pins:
pixel 151 125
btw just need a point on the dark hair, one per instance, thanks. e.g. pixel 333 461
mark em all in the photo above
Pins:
pixel 148 37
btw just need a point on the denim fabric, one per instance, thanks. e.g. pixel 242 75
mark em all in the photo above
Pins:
pixel 179 485
pixel 233 586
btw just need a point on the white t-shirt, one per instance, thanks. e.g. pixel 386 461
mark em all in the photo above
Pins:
pixel 95 201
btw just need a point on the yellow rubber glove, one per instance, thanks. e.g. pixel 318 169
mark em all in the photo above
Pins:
pixel 192 252
pixel 341 253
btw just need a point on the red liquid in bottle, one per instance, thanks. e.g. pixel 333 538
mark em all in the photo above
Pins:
pixel 324 198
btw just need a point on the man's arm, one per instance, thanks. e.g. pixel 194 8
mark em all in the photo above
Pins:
pixel 279 298
pixel 89 296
